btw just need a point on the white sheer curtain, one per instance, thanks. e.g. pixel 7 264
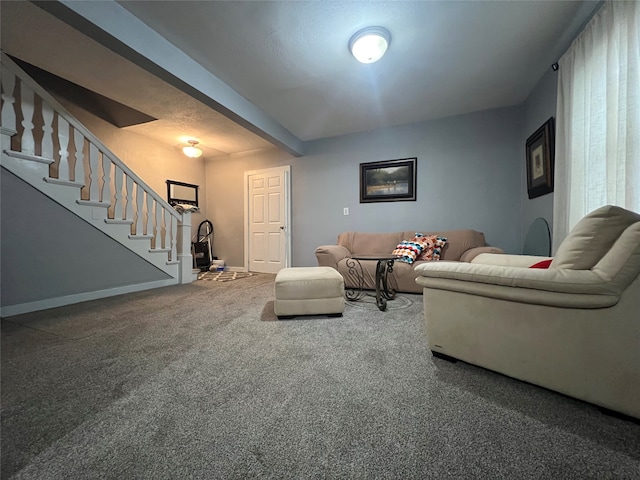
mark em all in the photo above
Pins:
pixel 598 118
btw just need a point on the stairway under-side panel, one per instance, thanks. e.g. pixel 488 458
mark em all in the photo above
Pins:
pixel 49 252
pixel 35 173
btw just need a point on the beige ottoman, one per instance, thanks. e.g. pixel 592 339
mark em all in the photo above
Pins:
pixel 309 291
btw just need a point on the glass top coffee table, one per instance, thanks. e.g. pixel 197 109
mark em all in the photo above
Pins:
pixel 384 267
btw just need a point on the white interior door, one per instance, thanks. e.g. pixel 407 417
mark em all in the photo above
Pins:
pixel 267 208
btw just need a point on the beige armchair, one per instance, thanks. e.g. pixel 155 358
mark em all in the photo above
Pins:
pixel 573 328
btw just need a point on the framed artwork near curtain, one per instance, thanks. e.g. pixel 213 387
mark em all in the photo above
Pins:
pixel 540 152
pixel 388 181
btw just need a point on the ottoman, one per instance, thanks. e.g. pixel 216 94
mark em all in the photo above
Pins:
pixel 308 291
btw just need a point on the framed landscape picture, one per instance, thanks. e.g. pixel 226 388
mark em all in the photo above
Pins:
pixel 540 150
pixel 388 181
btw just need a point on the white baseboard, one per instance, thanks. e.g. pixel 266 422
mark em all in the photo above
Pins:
pixel 236 269
pixel 11 310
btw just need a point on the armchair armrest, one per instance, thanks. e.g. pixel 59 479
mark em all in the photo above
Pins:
pixel 472 253
pixel 556 287
pixel 330 255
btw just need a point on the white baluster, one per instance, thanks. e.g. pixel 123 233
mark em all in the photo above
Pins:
pixel 78 168
pixel 63 137
pixel 149 228
pixel 158 233
pixel 174 238
pixel 106 180
pixel 28 144
pixel 139 219
pixel 93 173
pixel 167 228
pixel 8 115
pixel 47 128
pixel 128 213
pixel 117 205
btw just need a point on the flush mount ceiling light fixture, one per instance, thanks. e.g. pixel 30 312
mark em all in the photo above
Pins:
pixel 369 44
pixel 192 151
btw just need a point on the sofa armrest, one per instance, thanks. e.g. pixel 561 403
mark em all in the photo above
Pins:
pixel 556 287
pixel 506 260
pixel 330 255
pixel 472 253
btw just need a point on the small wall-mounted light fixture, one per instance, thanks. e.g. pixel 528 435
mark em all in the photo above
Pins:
pixel 192 151
pixel 370 44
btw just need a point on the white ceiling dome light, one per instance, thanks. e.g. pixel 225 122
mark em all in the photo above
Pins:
pixel 192 151
pixel 369 44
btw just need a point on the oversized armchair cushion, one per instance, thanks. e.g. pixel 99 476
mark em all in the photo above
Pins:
pixel 592 237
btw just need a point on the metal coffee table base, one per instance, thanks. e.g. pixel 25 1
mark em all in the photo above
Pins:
pixel 384 267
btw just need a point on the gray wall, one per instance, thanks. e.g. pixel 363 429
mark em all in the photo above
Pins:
pixel 469 170
pixel 48 252
pixel 225 198
pixel 539 106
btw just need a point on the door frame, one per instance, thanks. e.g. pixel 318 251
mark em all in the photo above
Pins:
pixel 287 212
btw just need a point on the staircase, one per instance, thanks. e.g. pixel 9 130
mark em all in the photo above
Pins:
pixel 48 148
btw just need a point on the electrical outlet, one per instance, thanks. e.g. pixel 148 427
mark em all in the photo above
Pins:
pixel 345 211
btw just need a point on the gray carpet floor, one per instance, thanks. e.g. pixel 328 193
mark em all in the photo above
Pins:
pixel 203 381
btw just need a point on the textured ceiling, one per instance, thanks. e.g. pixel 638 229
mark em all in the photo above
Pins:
pixel 290 59
pixel 36 37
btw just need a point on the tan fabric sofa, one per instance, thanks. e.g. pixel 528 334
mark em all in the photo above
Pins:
pixel 462 245
pixel 573 328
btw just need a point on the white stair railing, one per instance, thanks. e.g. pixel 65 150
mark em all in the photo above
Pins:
pixel 42 130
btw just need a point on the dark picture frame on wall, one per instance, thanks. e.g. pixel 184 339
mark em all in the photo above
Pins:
pixel 180 192
pixel 540 152
pixel 388 181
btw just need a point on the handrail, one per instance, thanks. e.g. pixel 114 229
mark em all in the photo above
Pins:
pixel 77 125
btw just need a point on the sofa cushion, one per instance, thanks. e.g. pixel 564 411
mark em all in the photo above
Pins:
pixel 592 237
pixel 433 247
pixel 427 245
pixel 408 250
pixel 423 241
pixel 365 243
pixel 458 241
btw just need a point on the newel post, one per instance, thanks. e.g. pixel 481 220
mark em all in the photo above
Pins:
pixel 184 248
